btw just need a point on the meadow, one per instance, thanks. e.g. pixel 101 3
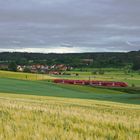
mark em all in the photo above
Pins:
pixel 45 88
pixel 132 78
pixel 34 108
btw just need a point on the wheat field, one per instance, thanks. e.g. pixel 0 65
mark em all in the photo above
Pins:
pixel 27 117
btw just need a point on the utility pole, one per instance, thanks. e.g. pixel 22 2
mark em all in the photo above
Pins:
pixel 89 80
pixel 36 76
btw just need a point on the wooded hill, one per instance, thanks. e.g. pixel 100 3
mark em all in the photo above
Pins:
pixel 99 59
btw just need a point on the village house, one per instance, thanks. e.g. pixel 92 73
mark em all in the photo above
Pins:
pixel 39 68
pixel 3 66
pixel 20 68
pixel 61 67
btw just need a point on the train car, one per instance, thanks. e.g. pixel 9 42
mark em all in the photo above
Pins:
pixel 92 83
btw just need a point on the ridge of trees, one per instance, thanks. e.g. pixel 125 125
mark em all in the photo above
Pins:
pixel 100 59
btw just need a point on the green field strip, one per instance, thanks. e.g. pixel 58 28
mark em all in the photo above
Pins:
pixel 48 89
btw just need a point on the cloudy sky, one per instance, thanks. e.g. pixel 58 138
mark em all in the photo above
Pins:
pixel 69 25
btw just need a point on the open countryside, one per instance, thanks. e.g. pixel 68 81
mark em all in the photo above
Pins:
pixel 69 69
pixel 47 110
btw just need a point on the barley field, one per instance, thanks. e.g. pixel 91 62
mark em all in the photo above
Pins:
pixel 29 117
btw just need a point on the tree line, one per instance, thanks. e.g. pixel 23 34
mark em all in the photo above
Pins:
pixel 100 59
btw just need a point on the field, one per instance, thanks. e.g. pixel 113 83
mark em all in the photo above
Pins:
pixel 49 118
pixel 132 78
pixel 110 75
pixel 36 109
pixel 45 88
pixel 23 76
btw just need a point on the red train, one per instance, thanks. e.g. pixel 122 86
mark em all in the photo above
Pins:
pixel 92 83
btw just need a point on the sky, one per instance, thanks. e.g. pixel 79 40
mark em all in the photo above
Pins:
pixel 67 26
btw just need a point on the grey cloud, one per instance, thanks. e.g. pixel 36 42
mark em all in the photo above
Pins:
pixel 98 25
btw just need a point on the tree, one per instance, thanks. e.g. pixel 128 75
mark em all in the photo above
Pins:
pixel 27 70
pixel 12 66
pixel 136 65
pixel 101 72
pixel 128 68
pixel 94 72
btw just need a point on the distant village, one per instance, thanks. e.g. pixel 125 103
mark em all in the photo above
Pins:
pixel 56 69
pixel 39 68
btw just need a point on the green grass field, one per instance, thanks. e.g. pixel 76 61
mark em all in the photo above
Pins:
pixel 35 109
pixel 131 78
pixel 44 88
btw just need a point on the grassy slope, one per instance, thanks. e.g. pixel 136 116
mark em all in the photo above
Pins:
pixel 23 76
pixel 48 89
pixel 132 78
pixel 38 118
pixel 130 90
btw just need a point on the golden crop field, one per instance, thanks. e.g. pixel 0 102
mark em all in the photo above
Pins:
pixel 26 117
pixel 24 76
